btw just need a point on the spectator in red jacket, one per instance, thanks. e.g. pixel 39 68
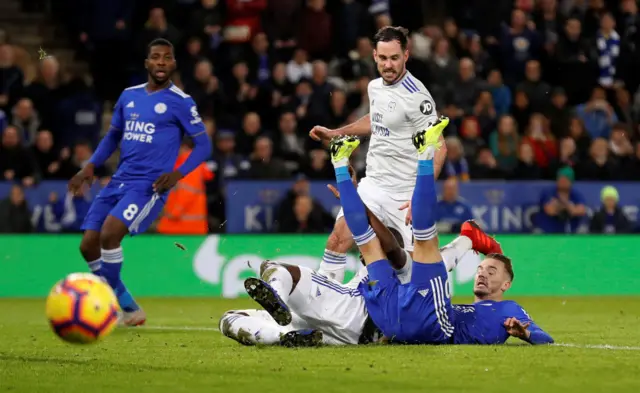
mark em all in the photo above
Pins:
pixel 314 35
pixel 243 19
pixel 541 140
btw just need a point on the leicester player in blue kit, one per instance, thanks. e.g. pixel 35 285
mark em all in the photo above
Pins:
pixel 149 122
pixel 420 311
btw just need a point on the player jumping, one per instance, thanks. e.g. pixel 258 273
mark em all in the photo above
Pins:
pixel 420 311
pixel 148 123
pixel 399 105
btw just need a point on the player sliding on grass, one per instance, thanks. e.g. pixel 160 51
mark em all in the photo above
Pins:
pixel 420 312
pixel 315 309
pixel 148 124
pixel 322 309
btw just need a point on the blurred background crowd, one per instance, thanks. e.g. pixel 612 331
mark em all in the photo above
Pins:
pixel 544 89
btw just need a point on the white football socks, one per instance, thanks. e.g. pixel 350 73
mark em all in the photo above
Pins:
pixel 452 252
pixel 250 330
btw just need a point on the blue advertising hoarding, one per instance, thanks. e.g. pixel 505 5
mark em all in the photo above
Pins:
pixel 501 207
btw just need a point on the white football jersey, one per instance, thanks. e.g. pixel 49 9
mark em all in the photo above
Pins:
pixel 397 111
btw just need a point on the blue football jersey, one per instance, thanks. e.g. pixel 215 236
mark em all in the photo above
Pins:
pixel 152 125
pixel 483 323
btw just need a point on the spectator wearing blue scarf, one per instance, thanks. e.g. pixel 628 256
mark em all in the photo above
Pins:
pixel 608 43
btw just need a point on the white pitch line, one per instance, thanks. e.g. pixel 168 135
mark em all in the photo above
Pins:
pixel 180 328
pixel 566 345
pixel 598 346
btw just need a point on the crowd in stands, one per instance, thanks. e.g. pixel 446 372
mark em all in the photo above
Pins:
pixel 531 86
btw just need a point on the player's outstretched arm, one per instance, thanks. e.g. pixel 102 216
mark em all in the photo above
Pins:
pixel 526 330
pixel 360 127
pixel 538 336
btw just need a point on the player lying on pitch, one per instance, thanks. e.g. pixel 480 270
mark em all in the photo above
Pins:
pixel 420 311
pixel 315 309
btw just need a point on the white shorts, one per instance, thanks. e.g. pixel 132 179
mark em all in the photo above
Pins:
pixel 321 303
pixel 387 208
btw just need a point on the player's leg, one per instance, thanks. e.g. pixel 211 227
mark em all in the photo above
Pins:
pixel 427 297
pixel 133 214
pixel 277 281
pixel 251 327
pixel 111 235
pixel 355 213
pixel 324 304
pixel 90 250
pixel 391 240
pixel 471 237
pixel 424 198
pixel 272 290
pixel 90 245
pixel 380 293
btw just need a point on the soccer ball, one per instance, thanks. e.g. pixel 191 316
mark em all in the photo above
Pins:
pixel 82 308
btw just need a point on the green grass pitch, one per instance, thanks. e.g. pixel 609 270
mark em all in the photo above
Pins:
pixel 180 350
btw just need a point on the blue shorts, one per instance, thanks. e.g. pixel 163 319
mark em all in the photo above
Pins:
pixel 136 205
pixel 418 312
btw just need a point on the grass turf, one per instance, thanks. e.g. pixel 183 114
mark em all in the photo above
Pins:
pixel 180 350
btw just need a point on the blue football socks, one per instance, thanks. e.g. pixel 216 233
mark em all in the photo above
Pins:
pixel 423 202
pixel 354 211
pixel 110 270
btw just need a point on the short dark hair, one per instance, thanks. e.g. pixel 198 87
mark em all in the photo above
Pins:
pixel 159 42
pixel 505 260
pixel 392 33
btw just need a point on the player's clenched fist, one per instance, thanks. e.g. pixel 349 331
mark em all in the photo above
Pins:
pixel 85 175
pixel 320 133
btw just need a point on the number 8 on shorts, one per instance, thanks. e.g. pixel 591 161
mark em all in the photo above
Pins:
pixel 130 212
pixel 138 210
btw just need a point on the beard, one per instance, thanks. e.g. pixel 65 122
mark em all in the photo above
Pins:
pixel 391 75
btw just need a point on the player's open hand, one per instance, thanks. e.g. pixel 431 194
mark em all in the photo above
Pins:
pixel 320 133
pixel 167 181
pixel 517 329
pixel 84 176
pixel 407 206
